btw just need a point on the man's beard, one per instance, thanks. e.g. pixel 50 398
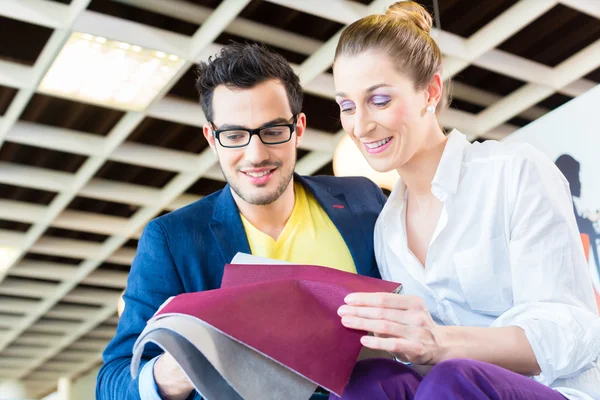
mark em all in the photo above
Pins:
pixel 262 199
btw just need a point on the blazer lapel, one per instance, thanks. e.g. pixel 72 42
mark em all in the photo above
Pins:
pixel 346 221
pixel 227 228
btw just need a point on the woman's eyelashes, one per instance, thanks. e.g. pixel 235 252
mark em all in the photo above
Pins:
pixel 380 100
pixel 346 106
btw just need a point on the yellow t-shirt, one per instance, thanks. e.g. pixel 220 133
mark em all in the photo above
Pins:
pixel 309 237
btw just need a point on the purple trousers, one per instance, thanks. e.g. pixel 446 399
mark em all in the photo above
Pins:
pixel 383 379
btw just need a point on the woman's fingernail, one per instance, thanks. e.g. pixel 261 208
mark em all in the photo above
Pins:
pixel 349 299
pixel 343 310
pixel 366 340
pixel 349 321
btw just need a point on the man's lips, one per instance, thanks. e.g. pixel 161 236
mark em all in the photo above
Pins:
pixel 258 172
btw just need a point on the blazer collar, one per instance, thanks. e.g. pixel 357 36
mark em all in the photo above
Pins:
pixel 345 217
pixel 227 227
pixel 231 238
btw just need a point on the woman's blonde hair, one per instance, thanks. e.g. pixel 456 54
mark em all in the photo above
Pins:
pixel 403 32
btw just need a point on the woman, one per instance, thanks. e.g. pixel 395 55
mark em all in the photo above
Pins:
pixel 482 236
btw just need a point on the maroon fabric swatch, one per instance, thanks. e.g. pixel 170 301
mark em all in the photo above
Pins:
pixel 289 314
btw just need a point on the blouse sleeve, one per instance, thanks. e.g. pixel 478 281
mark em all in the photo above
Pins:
pixel 552 291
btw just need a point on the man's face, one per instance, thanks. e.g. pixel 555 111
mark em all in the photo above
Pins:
pixel 257 173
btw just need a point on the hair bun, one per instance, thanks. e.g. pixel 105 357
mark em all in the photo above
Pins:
pixel 411 11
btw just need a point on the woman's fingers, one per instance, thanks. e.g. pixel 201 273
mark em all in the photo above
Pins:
pixel 409 350
pixel 377 326
pixel 404 317
pixel 400 324
pixel 385 300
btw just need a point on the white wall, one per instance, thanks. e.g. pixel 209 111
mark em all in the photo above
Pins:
pixel 84 388
pixel 11 389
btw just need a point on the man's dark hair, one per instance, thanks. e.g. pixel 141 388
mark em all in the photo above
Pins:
pixel 244 66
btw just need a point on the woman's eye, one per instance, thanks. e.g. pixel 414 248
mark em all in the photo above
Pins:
pixel 347 106
pixel 380 101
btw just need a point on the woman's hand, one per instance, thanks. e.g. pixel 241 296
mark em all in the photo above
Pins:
pixel 402 325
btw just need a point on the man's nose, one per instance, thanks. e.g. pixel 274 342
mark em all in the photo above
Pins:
pixel 256 151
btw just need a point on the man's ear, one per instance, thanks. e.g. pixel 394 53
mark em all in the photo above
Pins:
pixel 207 130
pixel 300 128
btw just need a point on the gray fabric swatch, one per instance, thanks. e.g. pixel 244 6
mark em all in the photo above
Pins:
pixel 218 366
pixel 197 368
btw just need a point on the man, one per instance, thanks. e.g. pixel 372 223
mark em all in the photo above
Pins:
pixel 252 101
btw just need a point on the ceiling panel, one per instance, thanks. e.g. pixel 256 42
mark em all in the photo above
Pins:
pixel 69 114
pixel 26 50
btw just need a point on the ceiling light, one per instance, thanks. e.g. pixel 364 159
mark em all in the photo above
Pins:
pixel 8 255
pixel 348 161
pixel 111 73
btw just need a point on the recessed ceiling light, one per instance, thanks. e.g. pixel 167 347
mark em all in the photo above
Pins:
pixel 112 73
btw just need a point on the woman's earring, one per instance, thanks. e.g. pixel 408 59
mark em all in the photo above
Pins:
pixel 431 109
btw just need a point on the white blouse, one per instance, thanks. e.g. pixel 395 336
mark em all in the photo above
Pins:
pixel 506 252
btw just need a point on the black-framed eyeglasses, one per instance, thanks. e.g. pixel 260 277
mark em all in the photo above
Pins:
pixel 240 137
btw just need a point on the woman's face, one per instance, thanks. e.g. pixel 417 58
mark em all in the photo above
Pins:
pixel 381 110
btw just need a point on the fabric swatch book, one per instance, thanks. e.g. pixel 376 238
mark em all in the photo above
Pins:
pixel 270 332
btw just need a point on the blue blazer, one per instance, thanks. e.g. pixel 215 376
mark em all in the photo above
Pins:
pixel 187 249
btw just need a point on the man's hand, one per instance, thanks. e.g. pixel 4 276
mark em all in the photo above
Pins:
pixel 172 383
